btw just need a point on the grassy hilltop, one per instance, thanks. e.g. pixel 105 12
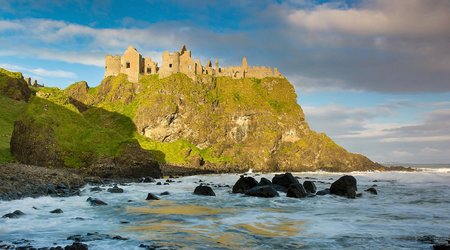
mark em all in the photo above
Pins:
pixel 218 123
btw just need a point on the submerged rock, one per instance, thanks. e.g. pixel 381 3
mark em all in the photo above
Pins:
pixel 164 193
pixel 372 190
pixel 76 246
pixel 323 192
pixel 96 202
pixel 147 179
pixel 151 196
pixel 204 190
pixel 266 191
pixel 296 191
pixel 344 186
pixel 244 184
pixel 15 214
pixel 310 187
pixel 57 211
pixel 115 189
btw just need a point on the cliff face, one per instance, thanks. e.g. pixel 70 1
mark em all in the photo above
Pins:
pixel 220 123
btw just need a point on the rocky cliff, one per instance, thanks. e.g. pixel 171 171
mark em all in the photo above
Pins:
pixel 218 123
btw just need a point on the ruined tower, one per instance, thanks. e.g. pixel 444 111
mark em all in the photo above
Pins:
pixel 134 65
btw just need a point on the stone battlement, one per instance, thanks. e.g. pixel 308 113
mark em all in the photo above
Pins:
pixel 134 65
pixel 33 83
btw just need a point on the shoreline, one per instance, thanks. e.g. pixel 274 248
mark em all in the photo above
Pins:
pixel 21 181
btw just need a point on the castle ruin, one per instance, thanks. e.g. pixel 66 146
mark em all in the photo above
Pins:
pixel 134 65
pixel 32 83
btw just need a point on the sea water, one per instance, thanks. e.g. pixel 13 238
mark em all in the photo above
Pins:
pixel 408 206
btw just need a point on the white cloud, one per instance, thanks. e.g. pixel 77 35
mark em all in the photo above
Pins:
pixel 378 18
pixel 40 72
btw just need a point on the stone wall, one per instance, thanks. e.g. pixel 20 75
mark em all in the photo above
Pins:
pixel 133 64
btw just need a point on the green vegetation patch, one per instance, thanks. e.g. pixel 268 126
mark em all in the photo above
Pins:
pixel 9 110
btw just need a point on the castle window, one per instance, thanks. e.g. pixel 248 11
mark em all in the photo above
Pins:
pixel 149 70
pixel 128 65
pixel 170 65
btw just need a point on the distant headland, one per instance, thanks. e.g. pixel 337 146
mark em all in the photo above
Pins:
pixel 133 64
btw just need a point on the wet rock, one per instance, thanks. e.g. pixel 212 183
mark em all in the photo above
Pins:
pixel 164 193
pixel 158 183
pixel 344 186
pixel 115 189
pixel 266 191
pixel 323 192
pixel 96 189
pixel 76 246
pixel 165 183
pixel 441 246
pixel 95 236
pixel 96 202
pixel 15 214
pixel 264 182
pixel 51 189
pixel 310 187
pixel 204 190
pixel 244 184
pixel 147 179
pixel 296 191
pixel 57 211
pixel 372 190
pixel 284 180
pixel 151 196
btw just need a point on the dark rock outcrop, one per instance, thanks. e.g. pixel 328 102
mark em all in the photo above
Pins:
pixel 57 211
pixel 115 189
pixel 204 190
pixel 266 191
pixel 96 202
pixel 15 214
pixel 264 182
pixel 76 246
pixel 151 196
pixel 310 187
pixel 244 184
pixel 284 180
pixel 344 186
pixel 323 192
pixel 372 190
pixel 296 191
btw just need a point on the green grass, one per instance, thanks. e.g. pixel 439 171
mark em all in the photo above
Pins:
pixel 94 133
pixel 9 110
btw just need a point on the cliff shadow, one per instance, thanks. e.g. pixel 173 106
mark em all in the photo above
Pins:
pixel 51 134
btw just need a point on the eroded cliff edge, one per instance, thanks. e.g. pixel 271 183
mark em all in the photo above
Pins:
pixel 215 123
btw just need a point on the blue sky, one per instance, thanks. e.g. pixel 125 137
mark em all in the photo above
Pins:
pixel 373 75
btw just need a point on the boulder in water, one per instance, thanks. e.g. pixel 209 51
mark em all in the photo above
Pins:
pixel 344 186
pixel 284 180
pixel 204 190
pixel 115 189
pixel 266 191
pixel 323 192
pixel 96 202
pixel 244 184
pixel 310 187
pixel 296 191
pixel 57 211
pixel 264 182
pixel 151 196
pixel 372 190
pixel 15 214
